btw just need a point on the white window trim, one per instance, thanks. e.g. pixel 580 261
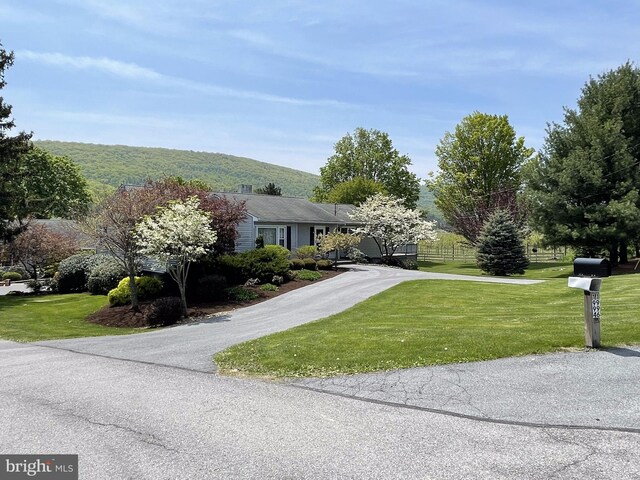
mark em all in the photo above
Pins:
pixel 281 233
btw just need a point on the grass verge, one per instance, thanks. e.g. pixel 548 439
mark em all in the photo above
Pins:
pixel 48 317
pixel 430 322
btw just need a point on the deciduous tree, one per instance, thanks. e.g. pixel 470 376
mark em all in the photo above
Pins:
pixel 114 222
pixel 177 235
pixel 225 214
pixel 54 185
pixel 39 247
pixel 369 154
pixel 479 172
pixel 391 224
pixel 354 191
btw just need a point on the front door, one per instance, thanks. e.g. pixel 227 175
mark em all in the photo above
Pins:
pixel 319 232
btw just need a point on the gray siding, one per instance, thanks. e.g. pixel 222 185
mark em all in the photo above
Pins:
pixel 246 235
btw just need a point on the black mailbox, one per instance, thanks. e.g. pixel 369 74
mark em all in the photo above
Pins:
pixel 591 267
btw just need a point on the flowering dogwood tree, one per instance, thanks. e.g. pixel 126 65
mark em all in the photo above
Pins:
pixel 391 224
pixel 177 235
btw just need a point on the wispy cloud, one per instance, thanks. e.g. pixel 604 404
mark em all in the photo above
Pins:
pixel 137 72
pixel 114 67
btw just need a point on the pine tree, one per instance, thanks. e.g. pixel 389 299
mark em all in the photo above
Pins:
pixel 13 195
pixel 500 248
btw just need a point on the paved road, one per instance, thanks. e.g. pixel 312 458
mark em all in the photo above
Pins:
pixel 128 420
pixel 553 416
pixel 14 287
pixel 191 346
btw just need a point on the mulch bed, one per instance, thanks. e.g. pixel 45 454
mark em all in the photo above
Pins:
pixel 125 317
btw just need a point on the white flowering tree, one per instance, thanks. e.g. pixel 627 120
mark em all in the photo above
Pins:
pixel 391 224
pixel 177 235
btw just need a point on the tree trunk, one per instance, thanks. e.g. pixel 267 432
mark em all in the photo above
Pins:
pixel 613 254
pixel 133 289
pixel 637 250
pixel 624 255
pixel 183 297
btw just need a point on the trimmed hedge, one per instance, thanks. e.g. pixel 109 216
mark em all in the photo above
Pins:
pixel 13 276
pixel 324 264
pixel 74 271
pixel 306 251
pixel 105 276
pixel 148 287
pixel 296 264
pixel 310 264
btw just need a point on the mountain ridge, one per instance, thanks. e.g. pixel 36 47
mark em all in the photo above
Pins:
pixel 121 164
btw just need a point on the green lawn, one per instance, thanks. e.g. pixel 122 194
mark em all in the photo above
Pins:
pixel 428 322
pixel 534 270
pixel 47 317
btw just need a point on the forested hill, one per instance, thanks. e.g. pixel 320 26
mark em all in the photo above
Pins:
pixel 118 164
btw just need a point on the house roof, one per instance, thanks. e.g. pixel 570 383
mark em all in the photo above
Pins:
pixel 67 227
pixel 278 209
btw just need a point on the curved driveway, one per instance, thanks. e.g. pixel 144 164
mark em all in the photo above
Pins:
pixel 192 345
pixel 554 416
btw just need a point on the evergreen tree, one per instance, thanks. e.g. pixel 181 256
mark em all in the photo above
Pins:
pixel 500 248
pixel 270 189
pixel 584 190
pixel 13 194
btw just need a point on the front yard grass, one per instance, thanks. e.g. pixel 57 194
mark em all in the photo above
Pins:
pixel 538 271
pixel 48 317
pixel 431 322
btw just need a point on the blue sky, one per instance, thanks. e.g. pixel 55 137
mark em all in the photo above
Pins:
pixel 282 81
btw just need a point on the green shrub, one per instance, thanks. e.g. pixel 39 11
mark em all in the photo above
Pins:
pixel 269 287
pixel 308 275
pixel 211 287
pixel 310 264
pixel 241 294
pixel 163 311
pixel 296 264
pixel 105 276
pixel 410 264
pixel 324 264
pixel 230 266
pixel 74 271
pixel 13 276
pixel 307 251
pixel 16 268
pixel 36 286
pixel 148 287
pixel 264 263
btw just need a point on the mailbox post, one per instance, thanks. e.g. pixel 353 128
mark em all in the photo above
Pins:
pixel 587 273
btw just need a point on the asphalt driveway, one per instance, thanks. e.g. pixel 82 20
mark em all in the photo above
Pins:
pixel 191 346
pixel 147 406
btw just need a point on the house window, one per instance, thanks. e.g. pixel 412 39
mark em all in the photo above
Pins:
pixel 273 235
